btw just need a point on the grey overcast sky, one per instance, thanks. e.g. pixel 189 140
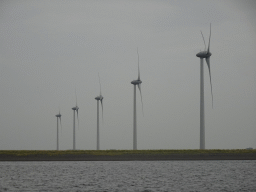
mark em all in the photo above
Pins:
pixel 50 48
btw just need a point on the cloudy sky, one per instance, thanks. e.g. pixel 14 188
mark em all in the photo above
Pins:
pixel 49 49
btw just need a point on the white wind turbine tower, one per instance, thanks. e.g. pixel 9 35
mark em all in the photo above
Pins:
pixel 58 117
pixel 99 98
pixel 138 83
pixel 75 109
pixel 204 54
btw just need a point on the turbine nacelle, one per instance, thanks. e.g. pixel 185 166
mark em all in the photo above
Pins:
pixel 59 115
pixel 136 82
pixel 75 108
pixel 204 54
pixel 99 98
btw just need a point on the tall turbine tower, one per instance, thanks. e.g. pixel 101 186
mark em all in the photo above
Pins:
pixel 99 98
pixel 204 54
pixel 75 109
pixel 58 117
pixel 138 83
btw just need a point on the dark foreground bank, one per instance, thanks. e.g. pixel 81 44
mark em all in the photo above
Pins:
pixel 128 155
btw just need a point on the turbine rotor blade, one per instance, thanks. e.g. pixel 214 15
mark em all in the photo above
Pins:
pixel 139 86
pixel 77 118
pixel 209 40
pixel 204 41
pixel 100 83
pixel 101 101
pixel 60 125
pixel 207 59
pixel 138 64
pixel 60 120
pixel 76 97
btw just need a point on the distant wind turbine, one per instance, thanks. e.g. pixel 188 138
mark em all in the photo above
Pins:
pixel 75 109
pixel 204 54
pixel 58 117
pixel 99 98
pixel 138 83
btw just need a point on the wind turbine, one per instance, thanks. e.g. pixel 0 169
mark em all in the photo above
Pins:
pixel 204 54
pixel 138 83
pixel 58 117
pixel 99 98
pixel 75 109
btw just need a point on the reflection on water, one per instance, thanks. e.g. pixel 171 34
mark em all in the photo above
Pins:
pixel 128 176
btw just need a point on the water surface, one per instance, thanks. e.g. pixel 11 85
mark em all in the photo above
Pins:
pixel 128 176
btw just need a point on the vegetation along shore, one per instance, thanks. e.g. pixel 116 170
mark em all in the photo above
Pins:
pixel 126 155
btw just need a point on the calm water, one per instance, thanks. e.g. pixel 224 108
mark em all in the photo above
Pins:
pixel 128 176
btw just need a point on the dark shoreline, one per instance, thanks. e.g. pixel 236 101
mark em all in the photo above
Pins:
pixel 131 157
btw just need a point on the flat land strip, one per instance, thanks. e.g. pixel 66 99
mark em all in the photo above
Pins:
pixel 126 155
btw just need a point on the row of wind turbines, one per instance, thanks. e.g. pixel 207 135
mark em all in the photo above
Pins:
pixel 206 54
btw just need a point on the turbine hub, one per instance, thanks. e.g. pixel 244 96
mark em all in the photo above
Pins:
pixel 99 98
pixel 136 82
pixel 75 108
pixel 204 54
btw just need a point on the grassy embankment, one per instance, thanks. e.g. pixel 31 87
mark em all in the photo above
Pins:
pixel 121 152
